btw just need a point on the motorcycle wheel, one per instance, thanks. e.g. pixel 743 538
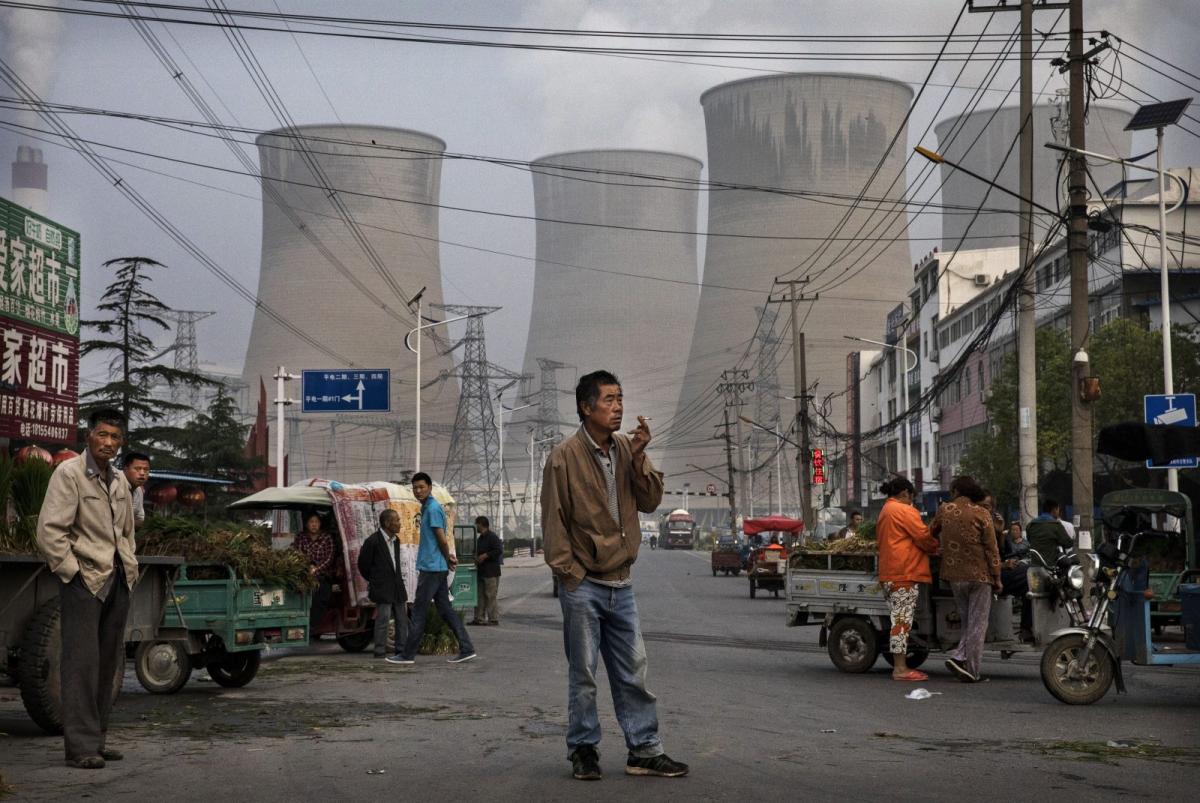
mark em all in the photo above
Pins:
pixel 1071 683
pixel 852 644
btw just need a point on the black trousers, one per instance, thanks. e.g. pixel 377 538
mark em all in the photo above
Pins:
pixel 93 649
pixel 321 595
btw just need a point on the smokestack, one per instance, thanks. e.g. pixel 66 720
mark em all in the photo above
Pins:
pixel 29 182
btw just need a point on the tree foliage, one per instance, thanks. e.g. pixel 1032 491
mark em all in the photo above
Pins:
pixel 132 311
pixel 1128 359
pixel 213 444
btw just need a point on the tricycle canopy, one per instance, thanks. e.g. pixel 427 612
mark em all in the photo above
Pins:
pixel 771 524
pixel 356 507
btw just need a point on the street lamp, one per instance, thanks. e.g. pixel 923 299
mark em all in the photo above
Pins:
pixel 500 452
pixel 408 344
pixel 906 434
pixel 1157 116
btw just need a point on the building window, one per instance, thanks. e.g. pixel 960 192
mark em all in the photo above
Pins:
pixel 925 342
pixel 967 381
pixel 981 379
pixel 955 331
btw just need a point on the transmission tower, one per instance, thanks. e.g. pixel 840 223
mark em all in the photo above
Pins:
pixel 186 356
pixel 763 445
pixel 475 438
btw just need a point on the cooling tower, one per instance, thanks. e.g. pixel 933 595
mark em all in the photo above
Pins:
pixel 996 155
pixel 29 180
pixel 609 294
pixel 821 134
pixel 302 247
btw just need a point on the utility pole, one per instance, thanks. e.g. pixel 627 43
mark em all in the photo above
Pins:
pixel 1027 468
pixel 734 382
pixel 1027 465
pixel 1077 250
pixel 800 384
pixel 729 468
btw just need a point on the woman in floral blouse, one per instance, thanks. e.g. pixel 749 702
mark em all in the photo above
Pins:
pixel 971 564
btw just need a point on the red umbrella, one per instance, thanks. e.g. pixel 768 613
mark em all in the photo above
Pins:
pixel 772 524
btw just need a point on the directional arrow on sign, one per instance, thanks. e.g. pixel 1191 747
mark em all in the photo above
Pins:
pixel 358 398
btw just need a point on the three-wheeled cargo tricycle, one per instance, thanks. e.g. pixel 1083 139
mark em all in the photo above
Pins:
pixel 228 623
pixel 841 592
pixel 31 629
pixel 767 568
pixel 726 556
pixel 355 508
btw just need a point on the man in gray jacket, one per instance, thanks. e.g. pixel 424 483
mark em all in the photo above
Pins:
pixel 85 530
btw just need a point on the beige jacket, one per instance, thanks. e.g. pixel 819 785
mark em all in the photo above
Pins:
pixel 83 523
pixel 579 533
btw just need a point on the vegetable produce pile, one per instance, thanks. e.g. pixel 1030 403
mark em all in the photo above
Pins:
pixel 439 638
pixel 243 547
pixel 850 554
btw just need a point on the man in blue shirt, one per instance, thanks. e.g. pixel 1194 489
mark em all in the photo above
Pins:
pixel 435 560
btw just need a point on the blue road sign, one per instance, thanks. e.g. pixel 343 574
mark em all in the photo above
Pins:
pixel 337 391
pixel 1178 410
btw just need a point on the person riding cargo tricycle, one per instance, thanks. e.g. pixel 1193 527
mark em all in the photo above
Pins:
pixel 768 562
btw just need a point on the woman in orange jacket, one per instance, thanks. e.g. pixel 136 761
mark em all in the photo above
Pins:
pixel 905 545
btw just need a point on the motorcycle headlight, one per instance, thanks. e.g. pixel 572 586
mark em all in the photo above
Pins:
pixel 1075 577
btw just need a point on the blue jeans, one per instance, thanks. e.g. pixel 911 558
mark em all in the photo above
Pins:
pixel 432 587
pixel 602 621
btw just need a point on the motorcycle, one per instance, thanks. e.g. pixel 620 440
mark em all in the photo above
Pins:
pixel 654 542
pixel 1082 662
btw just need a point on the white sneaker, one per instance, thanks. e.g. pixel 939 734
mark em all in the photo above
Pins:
pixel 460 659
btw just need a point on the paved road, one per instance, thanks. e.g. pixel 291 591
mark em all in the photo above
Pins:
pixel 755 707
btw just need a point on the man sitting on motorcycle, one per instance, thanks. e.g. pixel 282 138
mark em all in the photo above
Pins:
pixel 1046 535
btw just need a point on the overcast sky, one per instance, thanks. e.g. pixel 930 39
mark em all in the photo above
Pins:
pixel 504 102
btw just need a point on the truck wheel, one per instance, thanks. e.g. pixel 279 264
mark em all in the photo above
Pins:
pixel 752 588
pixel 714 572
pixel 236 669
pixel 852 644
pixel 163 667
pixel 916 655
pixel 356 642
pixel 39 668
pixel 1068 680
pixel 736 572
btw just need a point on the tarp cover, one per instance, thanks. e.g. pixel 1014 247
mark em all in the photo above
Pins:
pixel 771 524
pixel 356 509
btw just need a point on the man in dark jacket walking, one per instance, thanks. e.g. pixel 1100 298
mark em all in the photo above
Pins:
pixel 489 554
pixel 379 563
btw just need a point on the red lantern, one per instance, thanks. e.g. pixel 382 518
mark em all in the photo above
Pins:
pixel 63 455
pixel 33 453
pixel 192 497
pixel 162 495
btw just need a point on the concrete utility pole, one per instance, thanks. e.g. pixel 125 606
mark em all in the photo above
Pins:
pixel 1077 250
pixel 800 384
pixel 1027 464
pixel 729 468
pixel 282 402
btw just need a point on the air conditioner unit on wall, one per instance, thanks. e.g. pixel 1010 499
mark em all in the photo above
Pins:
pixel 982 280
pixel 935 413
pixel 933 356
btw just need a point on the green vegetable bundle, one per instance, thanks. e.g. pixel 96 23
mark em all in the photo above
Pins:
pixel 244 548
pixel 439 638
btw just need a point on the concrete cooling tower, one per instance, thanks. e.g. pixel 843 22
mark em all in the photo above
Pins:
pixel 299 278
pixel 815 133
pixel 588 313
pixel 982 141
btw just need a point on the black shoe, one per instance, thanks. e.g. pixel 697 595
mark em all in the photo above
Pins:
pixel 660 765
pixel 585 763
pixel 961 671
pixel 86 763
pixel 475 622
pixel 108 754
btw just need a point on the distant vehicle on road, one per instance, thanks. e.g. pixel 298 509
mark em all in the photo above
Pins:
pixel 677 530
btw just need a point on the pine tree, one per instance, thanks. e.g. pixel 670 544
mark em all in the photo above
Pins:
pixel 133 374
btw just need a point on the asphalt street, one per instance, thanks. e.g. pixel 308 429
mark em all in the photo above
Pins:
pixel 756 708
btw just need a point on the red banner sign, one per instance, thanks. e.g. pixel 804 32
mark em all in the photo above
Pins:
pixel 818 466
pixel 39 383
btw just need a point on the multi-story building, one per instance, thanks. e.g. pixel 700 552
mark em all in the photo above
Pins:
pixel 957 295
